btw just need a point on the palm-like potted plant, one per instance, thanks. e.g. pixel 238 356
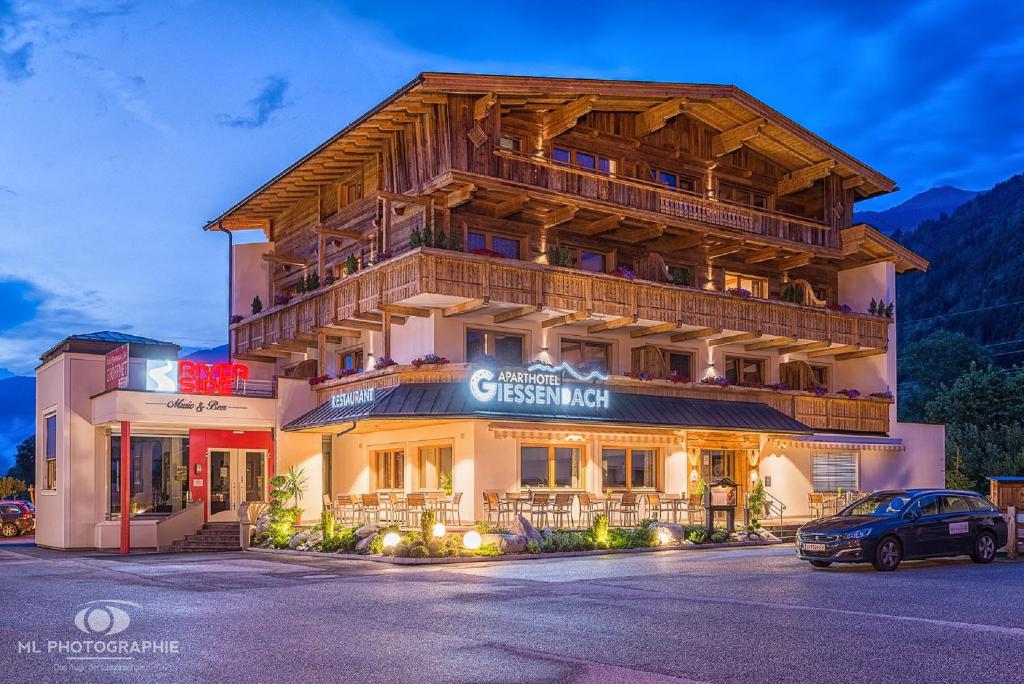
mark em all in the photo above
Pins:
pixel 294 486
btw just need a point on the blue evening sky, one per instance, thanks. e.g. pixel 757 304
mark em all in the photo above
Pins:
pixel 124 126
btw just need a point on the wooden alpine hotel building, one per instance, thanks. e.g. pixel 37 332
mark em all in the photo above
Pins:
pixel 510 283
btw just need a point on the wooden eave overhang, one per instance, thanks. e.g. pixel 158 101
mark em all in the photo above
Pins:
pixel 863 244
pixel 723 107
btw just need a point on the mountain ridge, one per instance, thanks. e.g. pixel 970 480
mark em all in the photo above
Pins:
pixel 924 206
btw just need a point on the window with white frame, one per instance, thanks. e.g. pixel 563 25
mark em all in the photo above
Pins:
pixel 832 471
pixel 50 451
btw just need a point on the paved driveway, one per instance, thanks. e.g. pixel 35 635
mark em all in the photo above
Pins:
pixel 722 616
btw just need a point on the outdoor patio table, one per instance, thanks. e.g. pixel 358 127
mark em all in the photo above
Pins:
pixel 517 499
pixel 678 502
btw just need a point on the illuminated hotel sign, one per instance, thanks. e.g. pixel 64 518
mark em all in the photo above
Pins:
pixel 193 377
pixel 539 384
pixel 353 398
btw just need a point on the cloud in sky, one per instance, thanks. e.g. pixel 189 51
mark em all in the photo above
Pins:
pixel 261 108
pixel 15 49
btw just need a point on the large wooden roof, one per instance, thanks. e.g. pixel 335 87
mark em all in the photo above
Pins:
pixel 742 118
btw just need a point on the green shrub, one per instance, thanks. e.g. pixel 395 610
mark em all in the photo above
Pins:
pixel 698 536
pixel 719 537
pixel 257 305
pixel 559 257
pixel 600 529
pixel 485 527
pixel 327 524
pixel 419 551
pixel 351 265
pixel 427 519
pixel 562 541
pixel 532 547
pixel 416 238
pixel 489 550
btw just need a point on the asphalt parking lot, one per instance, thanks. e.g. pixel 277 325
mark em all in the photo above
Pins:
pixel 717 616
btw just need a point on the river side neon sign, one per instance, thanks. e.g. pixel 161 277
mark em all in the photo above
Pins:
pixel 539 384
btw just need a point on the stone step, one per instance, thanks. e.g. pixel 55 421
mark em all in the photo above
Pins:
pixel 200 549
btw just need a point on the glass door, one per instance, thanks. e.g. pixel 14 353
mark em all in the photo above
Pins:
pixel 221 489
pixel 236 475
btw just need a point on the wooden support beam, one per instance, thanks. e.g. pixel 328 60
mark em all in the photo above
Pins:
pixel 283 259
pixel 722 250
pixel 853 182
pixel 560 120
pixel 482 106
pixel 358 324
pixel 858 354
pixel 519 312
pixel 795 262
pixel 656 117
pixel 552 217
pixel 697 334
pixel 421 200
pixel 403 310
pixel 466 307
pixel 672 243
pixel 766 254
pixel 729 339
pixel 805 177
pixel 613 324
pixel 506 206
pixel 334 232
pixel 832 351
pixel 731 140
pixel 803 347
pixel 459 196
pixel 637 234
pixel 654 330
pixel 770 344
pixel 602 225
pixel 574 317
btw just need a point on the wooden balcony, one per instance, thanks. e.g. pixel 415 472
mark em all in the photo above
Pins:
pixel 438 273
pixel 659 202
pixel 826 413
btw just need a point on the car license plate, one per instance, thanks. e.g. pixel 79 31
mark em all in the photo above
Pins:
pixel 814 547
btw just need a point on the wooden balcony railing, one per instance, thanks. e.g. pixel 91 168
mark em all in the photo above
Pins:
pixel 440 272
pixel 659 199
pixel 826 413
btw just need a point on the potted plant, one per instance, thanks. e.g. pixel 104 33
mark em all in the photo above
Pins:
pixel 719 380
pixel 256 305
pixel 558 256
pixel 351 265
pixel 849 393
pixel 429 360
pixel 237 318
pixel 623 272
pixel 384 362
pixel 741 292
pixel 293 487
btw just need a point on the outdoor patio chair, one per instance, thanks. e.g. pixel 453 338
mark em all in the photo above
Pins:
pixel 370 507
pixel 695 507
pixel 451 510
pixel 562 508
pixel 416 504
pixel 539 506
pixel 587 508
pixel 657 506
pixel 329 506
pixel 348 507
pixel 497 507
pixel 628 508
pixel 396 504
pixel 816 505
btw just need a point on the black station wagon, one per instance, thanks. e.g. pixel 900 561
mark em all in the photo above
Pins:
pixel 887 527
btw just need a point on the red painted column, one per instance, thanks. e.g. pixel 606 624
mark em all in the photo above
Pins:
pixel 126 486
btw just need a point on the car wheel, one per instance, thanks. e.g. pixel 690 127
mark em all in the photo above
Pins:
pixel 9 529
pixel 820 564
pixel 888 555
pixel 984 548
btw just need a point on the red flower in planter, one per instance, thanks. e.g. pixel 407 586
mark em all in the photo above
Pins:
pixel 317 379
pixel 385 362
pixel 741 292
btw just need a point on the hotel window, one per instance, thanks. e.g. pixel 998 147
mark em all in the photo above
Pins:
pixel 739 370
pixel 757 287
pixel 505 348
pixel 434 467
pixel 507 142
pixel 584 160
pixel 389 469
pixel 820 376
pixel 739 195
pixel 550 467
pixel 159 474
pixel 830 471
pixel 350 359
pixel 679 363
pixel 674 180
pixel 508 247
pixel 595 355
pixel 718 463
pixel 327 449
pixel 628 468
pixel 591 260
pixel 50 447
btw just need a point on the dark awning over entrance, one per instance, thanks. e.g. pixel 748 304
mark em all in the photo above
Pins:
pixel 453 400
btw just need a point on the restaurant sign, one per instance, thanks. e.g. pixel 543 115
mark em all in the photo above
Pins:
pixel 194 377
pixel 116 368
pixel 357 397
pixel 539 384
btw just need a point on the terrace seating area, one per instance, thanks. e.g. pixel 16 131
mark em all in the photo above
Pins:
pixel 825 504
pixel 577 508
pixel 395 508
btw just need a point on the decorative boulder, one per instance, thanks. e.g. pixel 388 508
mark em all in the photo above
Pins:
pixel 522 527
pixel 262 523
pixel 314 538
pixel 363 545
pixel 297 539
pixel 366 531
pixel 546 532
pixel 677 532
pixel 508 543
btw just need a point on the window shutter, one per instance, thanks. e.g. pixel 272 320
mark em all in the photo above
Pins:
pixel 829 472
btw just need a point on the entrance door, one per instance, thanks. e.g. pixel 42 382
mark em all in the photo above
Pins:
pixel 236 475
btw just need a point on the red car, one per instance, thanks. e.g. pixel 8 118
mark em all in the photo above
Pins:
pixel 16 517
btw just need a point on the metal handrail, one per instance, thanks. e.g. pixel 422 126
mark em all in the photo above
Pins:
pixel 774 506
